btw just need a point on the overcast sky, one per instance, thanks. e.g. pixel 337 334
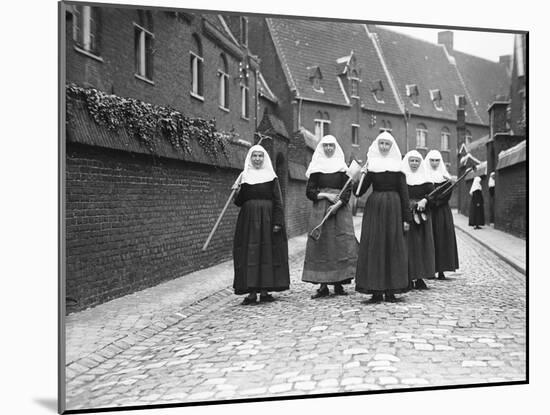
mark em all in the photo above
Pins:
pixel 488 45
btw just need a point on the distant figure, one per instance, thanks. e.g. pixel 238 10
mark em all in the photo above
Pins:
pixel 260 248
pixel 491 183
pixel 446 252
pixel 477 214
pixel 331 260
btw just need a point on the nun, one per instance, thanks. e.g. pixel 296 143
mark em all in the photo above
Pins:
pixel 331 259
pixel 446 253
pixel 420 241
pixel 477 213
pixel 260 246
pixel 382 268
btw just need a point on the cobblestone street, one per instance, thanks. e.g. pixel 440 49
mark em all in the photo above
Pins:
pixel 467 329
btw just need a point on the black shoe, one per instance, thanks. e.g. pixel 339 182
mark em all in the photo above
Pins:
pixel 419 284
pixel 441 276
pixel 339 290
pixel 268 298
pixel 249 300
pixel 390 298
pixel 376 298
pixel 321 292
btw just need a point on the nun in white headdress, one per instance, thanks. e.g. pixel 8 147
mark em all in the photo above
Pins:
pixel 477 210
pixel 260 246
pixel 446 253
pixel 420 241
pixel 331 259
pixel 382 264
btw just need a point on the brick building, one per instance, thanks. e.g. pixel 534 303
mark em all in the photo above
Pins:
pixel 504 151
pixel 133 218
pixel 355 80
pixel 138 214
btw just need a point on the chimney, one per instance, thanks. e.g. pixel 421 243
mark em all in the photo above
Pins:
pixel 445 38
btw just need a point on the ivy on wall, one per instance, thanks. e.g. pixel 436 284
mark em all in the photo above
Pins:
pixel 148 123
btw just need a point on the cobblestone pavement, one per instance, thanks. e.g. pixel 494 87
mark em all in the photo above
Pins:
pixel 468 329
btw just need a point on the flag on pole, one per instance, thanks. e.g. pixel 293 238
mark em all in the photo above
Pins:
pixel 354 170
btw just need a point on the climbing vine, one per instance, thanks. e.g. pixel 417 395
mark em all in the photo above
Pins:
pixel 148 122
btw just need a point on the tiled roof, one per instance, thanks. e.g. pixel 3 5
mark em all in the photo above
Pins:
pixel 484 80
pixel 304 44
pixel 264 90
pixel 413 61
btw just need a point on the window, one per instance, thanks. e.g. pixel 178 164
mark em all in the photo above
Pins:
pixel 468 137
pixel 460 101
pixel 421 136
pixel 143 45
pixel 196 64
pixel 85 28
pixel 435 95
pixel 244 102
pixel 412 93
pixel 244 31
pixel 317 85
pixel 354 84
pixel 377 89
pixel 322 125
pixel 223 83
pixel 445 139
pixel 354 134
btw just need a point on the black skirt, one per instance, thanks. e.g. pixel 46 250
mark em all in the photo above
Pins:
pixel 420 242
pixel 260 256
pixel 382 262
pixel 446 252
pixel 477 210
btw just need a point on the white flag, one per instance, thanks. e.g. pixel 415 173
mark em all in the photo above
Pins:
pixel 354 170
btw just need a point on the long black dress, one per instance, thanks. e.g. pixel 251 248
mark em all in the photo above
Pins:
pixel 260 256
pixel 420 238
pixel 446 252
pixel 477 211
pixel 333 258
pixel 382 264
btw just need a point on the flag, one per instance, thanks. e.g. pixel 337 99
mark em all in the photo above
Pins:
pixel 354 170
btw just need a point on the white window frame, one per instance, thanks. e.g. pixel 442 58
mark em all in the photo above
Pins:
pixel 320 127
pixel 195 84
pixel 421 133
pixel 142 72
pixel 245 102
pixel 412 91
pixel 355 127
pixel 380 101
pixel 445 138
pixel 223 97
pixel 82 36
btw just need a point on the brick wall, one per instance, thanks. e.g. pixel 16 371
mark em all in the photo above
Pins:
pixel 133 222
pixel 511 199
pixel 298 208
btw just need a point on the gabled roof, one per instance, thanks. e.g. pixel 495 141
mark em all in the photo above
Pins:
pixel 302 44
pixel 413 61
pixel 484 79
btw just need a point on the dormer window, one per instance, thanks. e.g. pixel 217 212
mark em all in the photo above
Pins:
pixel 377 89
pixel 354 84
pixel 315 76
pixel 460 101
pixel 435 95
pixel 412 93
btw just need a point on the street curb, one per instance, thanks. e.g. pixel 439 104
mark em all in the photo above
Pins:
pixel 495 251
